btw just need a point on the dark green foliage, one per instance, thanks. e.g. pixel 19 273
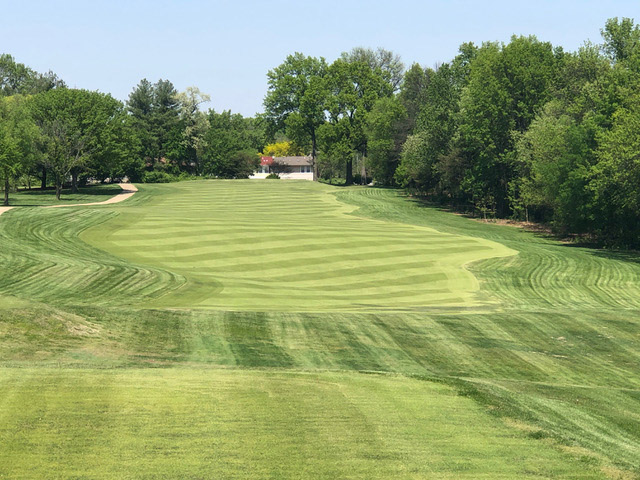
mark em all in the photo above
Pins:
pixel 430 162
pixel 507 85
pixel 295 102
pixel 163 177
pixel 386 132
pixel 615 179
pixel 241 165
pixel 416 171
pixel 160 135
pixel 413 93
pixel 79 129
pixel 553 162
pixel 353 89
pixel 621 40
pixel 579 153
pixel 435 128
pixel 386 62
pixel 232 144
pixel 529 131
pixel 18 137
pixel 155 121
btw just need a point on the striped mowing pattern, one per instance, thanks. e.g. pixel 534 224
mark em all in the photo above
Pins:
pixel 43 260
pixel 557 353
pixel 290 246
pixel 297 246
pixel 544 275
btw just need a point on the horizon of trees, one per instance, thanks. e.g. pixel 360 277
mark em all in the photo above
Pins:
pixel 520 130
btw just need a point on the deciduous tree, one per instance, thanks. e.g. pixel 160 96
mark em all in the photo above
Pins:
pixel 353 89
pixel 295 101
pixel 17 78
pixel 231 146
pixel 386 132
pixel 194 125
pixel 76 126
pixel 389 64
pixel 18 134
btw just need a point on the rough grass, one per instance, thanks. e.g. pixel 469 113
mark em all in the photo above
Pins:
pixel 37 197
pixel 542 351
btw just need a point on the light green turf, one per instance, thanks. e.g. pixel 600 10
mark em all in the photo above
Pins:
pixel 237 424
pixel 544 275
pixel 248 245
pixel 545 356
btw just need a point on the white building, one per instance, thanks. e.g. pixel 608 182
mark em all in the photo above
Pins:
pixel 299 168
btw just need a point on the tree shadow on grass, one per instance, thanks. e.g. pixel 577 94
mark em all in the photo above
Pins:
pixel 467 212
pixel 36 198
pixel 629 256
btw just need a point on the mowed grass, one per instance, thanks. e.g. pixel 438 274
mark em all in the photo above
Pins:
pixel 37 197
pixel 545 275
pixel 231 424
pixel 538 362
pixel 290 246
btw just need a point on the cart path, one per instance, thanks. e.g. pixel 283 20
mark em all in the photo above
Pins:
pixel 4 209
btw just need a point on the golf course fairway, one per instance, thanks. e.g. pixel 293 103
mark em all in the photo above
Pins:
pixel 289 329
pixel 290 246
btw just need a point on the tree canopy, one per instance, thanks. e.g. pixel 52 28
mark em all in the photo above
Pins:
pixel 296 99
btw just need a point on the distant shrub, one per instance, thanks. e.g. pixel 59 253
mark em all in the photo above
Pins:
pixel 164 177
pixel 332 180
pixel 358 180
pixel 186 176
pixel 273 176
pixel 157 177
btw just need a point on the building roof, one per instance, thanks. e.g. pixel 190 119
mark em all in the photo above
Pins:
pixel 293 161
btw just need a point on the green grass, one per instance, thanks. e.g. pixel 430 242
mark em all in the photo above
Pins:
pixel 516 366
pixel 230 424
pixel 544 275
pixel 37 197
pixel 291 246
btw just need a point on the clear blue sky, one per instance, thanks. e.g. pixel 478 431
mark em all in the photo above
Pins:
pixel 226 47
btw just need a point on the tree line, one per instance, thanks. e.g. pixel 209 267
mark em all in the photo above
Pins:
pixel 521 130
pixel 61 136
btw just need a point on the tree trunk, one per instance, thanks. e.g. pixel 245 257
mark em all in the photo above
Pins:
pixel 6 190
pixel 74 181
pixel 43 185
pixel 314 163
pixel 349 172
pixel 365 152
pixel 58 187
